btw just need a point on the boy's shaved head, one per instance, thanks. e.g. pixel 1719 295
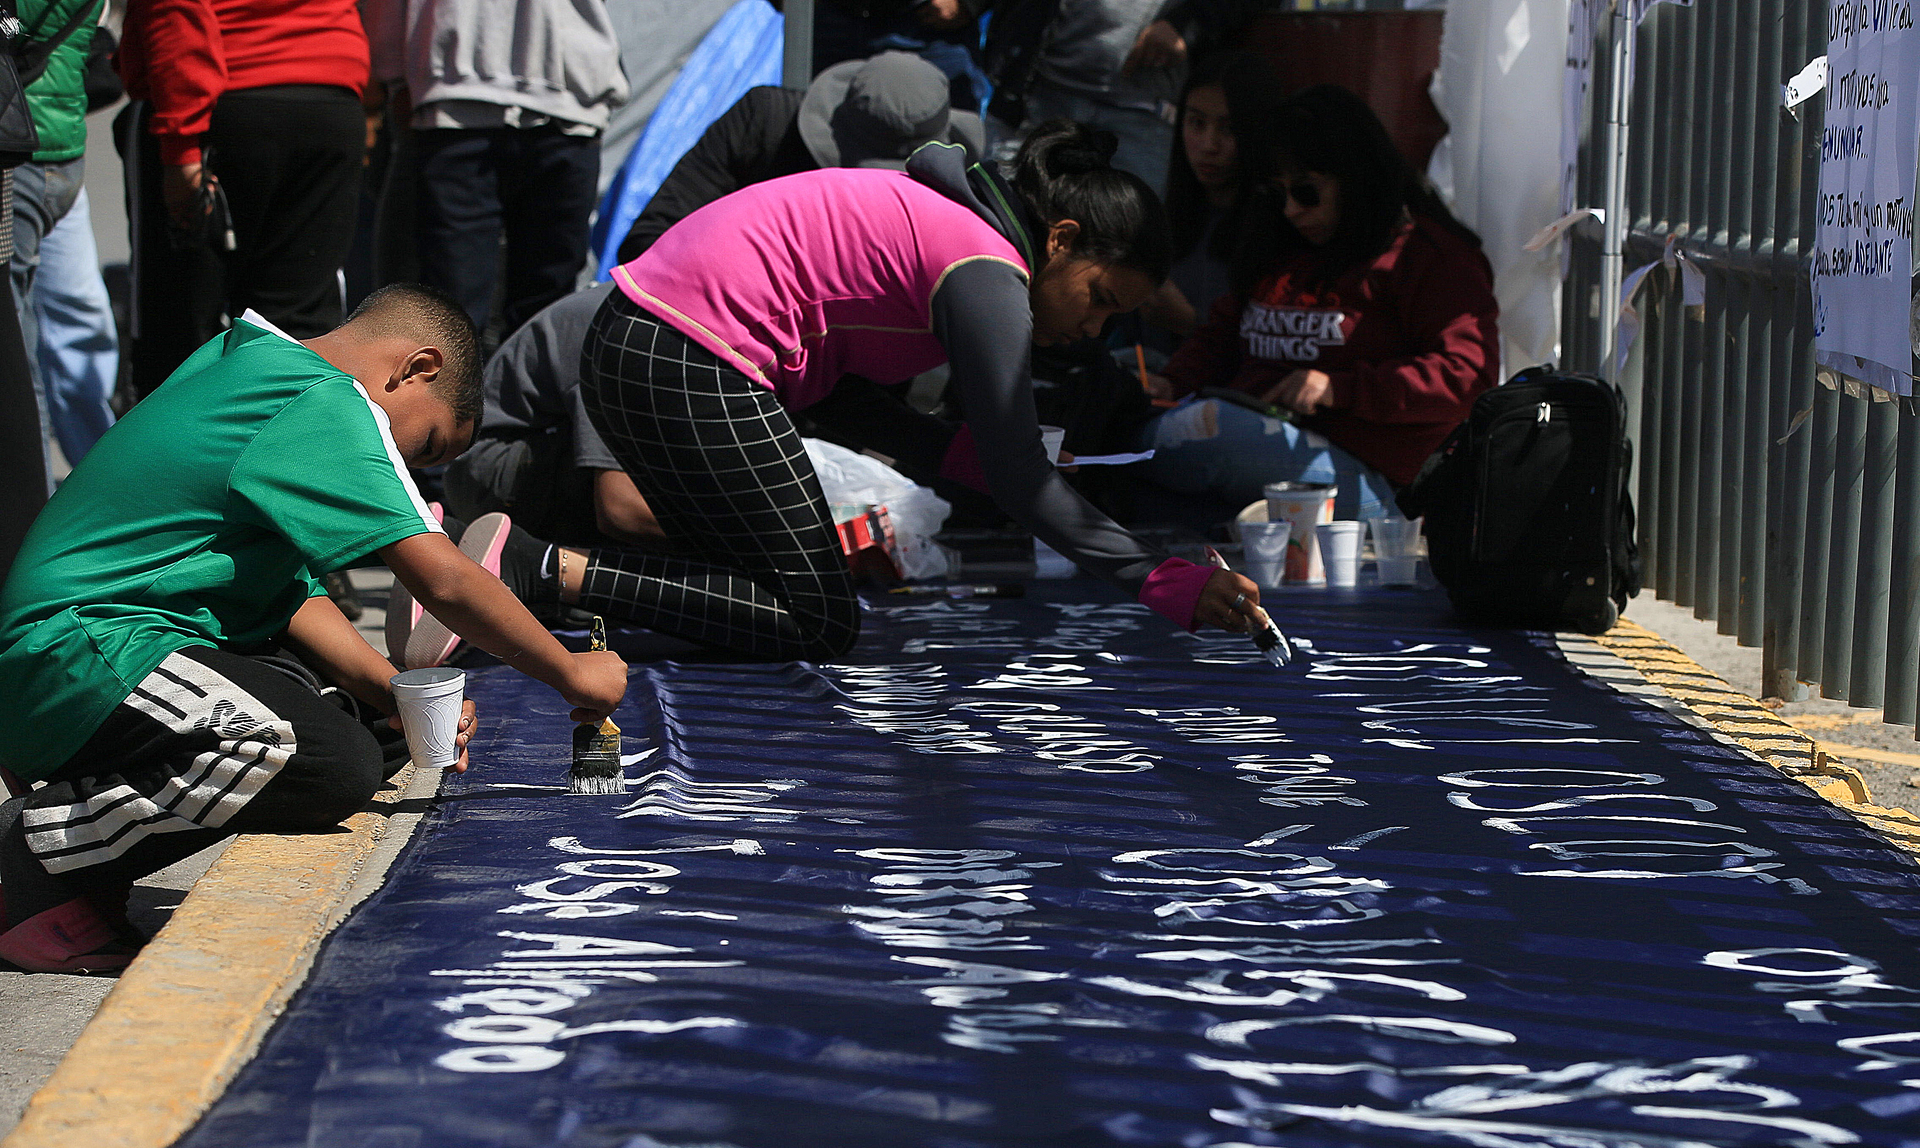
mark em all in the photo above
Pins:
pixel 430 317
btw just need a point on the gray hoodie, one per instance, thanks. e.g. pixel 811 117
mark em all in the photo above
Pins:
pixel 556 58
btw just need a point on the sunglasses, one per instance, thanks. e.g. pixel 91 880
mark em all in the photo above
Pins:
pixel 1304 194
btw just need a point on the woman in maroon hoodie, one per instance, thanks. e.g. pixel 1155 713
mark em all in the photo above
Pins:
pixel 1368 316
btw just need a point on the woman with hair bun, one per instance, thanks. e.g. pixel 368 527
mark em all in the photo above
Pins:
pixel 757 304
pixel 1360 305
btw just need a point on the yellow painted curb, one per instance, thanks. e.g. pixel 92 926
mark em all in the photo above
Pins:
pixel 1746 722
pixel 1883 756
pixel 191 1009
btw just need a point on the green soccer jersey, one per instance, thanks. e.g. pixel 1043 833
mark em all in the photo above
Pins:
pixel 199 520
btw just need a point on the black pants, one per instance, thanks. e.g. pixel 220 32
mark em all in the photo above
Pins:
pixel 535 186
pixel 209 744
pixel 723 469
pixel 23 475
pixel 289 159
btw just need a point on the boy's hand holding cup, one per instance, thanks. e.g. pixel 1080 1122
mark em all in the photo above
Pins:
pixel 437 716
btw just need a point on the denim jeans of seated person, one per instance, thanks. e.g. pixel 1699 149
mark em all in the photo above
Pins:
pixel 1211 447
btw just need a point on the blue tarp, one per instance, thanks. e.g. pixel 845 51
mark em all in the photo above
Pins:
pixel 1051 873
pixel 742 51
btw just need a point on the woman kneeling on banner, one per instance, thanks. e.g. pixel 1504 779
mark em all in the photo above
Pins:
pixel 757 304
pixel 1360 306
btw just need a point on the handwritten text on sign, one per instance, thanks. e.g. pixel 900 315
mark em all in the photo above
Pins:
pixel 1863 261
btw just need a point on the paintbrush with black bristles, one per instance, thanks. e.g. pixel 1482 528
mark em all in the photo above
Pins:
pixel 596 747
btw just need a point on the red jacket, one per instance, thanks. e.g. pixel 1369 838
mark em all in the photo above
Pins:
pixel 184 54
pixel 1409 341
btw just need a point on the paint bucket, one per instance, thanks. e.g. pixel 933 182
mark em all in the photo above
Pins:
pixel 1264 551
pixel 1340 551
pixel 1305 505
pixel 429 702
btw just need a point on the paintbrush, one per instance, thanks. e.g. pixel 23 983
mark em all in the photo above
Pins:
pixel 596 747
pixel 1268 639
pixel 1266 636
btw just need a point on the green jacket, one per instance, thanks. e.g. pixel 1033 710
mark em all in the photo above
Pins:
pixel 58 99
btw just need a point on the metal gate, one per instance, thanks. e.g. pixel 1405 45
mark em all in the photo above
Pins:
pixel 1786 511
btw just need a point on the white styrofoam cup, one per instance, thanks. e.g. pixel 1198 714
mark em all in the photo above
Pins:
pixel 1340 551
pixel 429 702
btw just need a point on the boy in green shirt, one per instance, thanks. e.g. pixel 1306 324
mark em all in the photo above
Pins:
pixel 195 531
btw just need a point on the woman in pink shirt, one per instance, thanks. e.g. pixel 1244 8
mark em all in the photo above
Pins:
pixel 757 304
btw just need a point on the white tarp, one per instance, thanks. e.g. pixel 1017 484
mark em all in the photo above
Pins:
pixel 1502 62
pixel 1863 261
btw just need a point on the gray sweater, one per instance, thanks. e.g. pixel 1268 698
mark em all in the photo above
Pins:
pixel 556 58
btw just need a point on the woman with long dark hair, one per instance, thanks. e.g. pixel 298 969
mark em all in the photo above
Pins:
pixel 757 304
pixel 1208 184
pixel 1360 306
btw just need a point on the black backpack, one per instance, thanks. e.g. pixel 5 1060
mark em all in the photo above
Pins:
pixel 1529 520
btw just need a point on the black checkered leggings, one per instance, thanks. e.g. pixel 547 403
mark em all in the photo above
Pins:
pixel 723 469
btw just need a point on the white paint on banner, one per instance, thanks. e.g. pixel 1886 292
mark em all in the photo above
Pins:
pixel 1863 257
pixel 543 973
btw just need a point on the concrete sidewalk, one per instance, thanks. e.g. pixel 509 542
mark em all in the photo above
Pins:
pixel 1886 756
pixel 51 1011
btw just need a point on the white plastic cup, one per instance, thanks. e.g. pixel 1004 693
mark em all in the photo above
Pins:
pixel 1051 440
pixel 1263 555
pixel 1340 550
pixel 429 703
pixel 1396 547
pixel 1399 571
pixel 1305 505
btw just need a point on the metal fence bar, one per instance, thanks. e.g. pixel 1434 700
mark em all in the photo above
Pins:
pixel 1726 179
pixel 1669 354
pixel 1843 545
pixel 1822 430
pixel 1744 506
pixel 1867 677
pixel 1790 451
pixel 1761 43
pixel 1902 698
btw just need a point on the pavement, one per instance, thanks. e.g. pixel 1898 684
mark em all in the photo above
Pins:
pixel 50 1012
pixel 1887 757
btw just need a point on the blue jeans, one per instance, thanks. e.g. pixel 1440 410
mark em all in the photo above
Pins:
pixel 1211 447
pixel 42 194
pixel 79 354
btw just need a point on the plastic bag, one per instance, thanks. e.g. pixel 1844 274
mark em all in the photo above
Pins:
pixel 917 513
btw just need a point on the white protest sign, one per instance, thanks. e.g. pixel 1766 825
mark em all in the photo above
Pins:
pixel 1864 258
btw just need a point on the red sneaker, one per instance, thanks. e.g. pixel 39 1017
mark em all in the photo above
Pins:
pixel 69 938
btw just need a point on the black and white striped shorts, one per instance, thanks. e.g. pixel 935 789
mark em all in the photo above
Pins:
pixel 212 743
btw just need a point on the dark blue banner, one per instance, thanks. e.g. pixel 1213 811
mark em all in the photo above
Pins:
pixel 1051 873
